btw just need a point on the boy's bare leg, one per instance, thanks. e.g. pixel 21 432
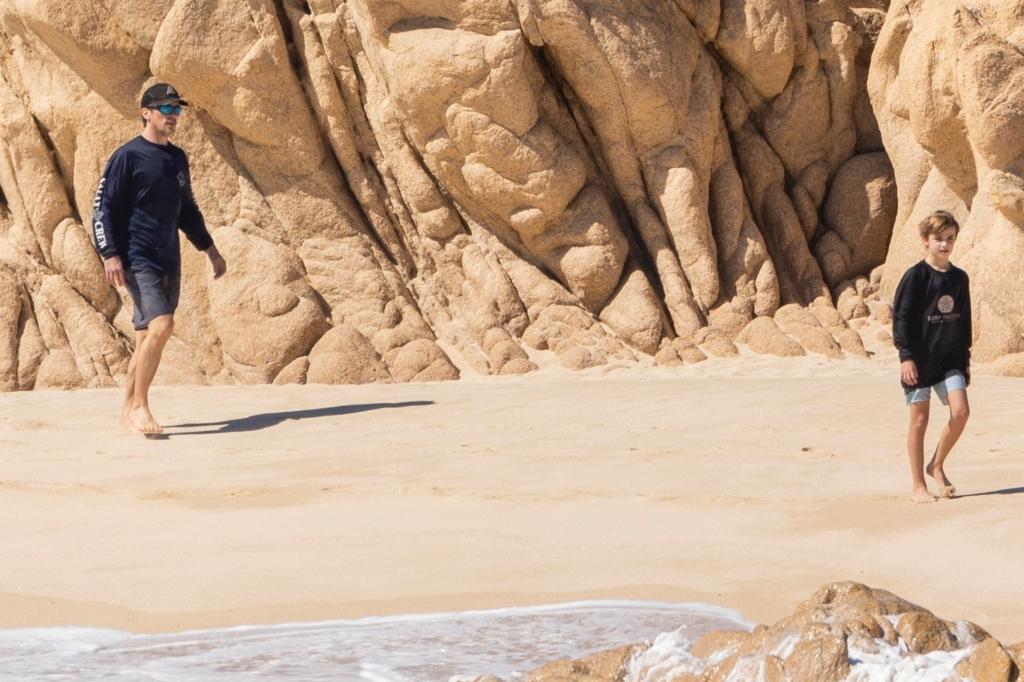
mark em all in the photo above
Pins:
pixel 915 450
pixel 959 411
pixel 149 353
pixel 129 382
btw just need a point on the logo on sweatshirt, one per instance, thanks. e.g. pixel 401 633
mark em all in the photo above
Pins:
pixel 97 217
pixel 944 310
pixel 181 178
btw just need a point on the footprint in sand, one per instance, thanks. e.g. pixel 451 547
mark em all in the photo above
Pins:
pixel 815 452
pixel 28 425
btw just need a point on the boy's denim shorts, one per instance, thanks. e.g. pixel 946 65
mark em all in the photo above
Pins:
pixel 153 293
pixel 954 381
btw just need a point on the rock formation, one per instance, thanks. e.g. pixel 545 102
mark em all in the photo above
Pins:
pixel 835 635
pixel 947 85
pixel 407 189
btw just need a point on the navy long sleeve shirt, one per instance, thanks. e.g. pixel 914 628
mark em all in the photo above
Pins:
pixel 143 198
pixel 931 322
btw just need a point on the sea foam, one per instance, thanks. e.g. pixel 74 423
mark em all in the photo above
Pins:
pixel 434 647
pixel 452 647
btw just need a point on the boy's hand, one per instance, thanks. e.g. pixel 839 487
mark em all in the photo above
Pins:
pixel 908 372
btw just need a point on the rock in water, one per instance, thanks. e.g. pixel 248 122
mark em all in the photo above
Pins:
pixel 841 631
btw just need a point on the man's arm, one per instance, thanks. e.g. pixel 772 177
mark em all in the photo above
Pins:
pixel 194 226
pixel 110 195
pixel 191 219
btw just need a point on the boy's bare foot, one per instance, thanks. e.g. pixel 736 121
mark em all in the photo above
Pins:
pixel 946 487
pixel 142 420
pixel 126 419
pixel 922 496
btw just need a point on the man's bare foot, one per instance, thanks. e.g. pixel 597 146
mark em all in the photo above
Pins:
pixel 142 421
pixel 946 487
pixel 922 496
pixel 126 420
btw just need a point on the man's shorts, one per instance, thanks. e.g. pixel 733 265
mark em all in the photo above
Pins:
pixel 153 293
pixel 954 381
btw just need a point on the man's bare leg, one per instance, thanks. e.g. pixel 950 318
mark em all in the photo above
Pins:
pixel 915 450
pixel 129 381
pixel 959 411
pixel 148 360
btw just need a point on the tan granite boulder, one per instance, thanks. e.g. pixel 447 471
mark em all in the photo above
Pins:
pixel 602 667
pixel 344 356
pixel 1010 365
pixel 859 212
pixel 10 317
pixel 924 633
pixel 461 181
pixel 1016 652
pixel 764 336
pixel 988 661
pixel 819 658
pixel 265 313
pixel 678 352
pixel 802 325
pixel 716 343
pixel 827 637
pixel 946 82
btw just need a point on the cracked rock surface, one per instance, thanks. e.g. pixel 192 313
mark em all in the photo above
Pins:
pixel 406 190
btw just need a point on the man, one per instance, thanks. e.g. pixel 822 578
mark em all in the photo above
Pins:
pixel 144 197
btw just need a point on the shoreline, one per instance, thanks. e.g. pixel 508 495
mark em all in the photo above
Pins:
pixel 272 504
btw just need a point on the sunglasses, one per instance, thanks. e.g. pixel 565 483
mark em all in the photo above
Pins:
pixel 168 109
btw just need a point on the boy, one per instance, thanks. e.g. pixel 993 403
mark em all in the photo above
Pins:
pixel 931 328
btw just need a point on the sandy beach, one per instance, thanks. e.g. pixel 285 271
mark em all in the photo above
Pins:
pixel 746 483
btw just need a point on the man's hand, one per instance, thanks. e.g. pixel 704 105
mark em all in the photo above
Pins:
pixel 114 271
pixel 908 372
pixel 220 266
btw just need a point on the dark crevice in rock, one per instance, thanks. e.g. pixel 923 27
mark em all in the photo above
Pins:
pixel 370 162
pixel 592 146
pixel 409 267
pixel 421 23
pixel 51 148
pixel 361 131
pixel 289 38
pixel 789 291
pixel 787 287
pixel 393 202
pixel 421 162
pixel 819 232
pixel 303 76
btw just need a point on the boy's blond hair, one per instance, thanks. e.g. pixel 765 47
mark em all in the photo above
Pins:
pixel 936 223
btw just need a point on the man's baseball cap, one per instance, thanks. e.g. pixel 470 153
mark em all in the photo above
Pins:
pixel 161 93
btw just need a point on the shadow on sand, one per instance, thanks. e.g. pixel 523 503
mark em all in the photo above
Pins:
pixel 267 420
pixel 1003 491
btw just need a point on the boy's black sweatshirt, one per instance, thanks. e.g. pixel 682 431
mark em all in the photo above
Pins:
pixel 931 322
